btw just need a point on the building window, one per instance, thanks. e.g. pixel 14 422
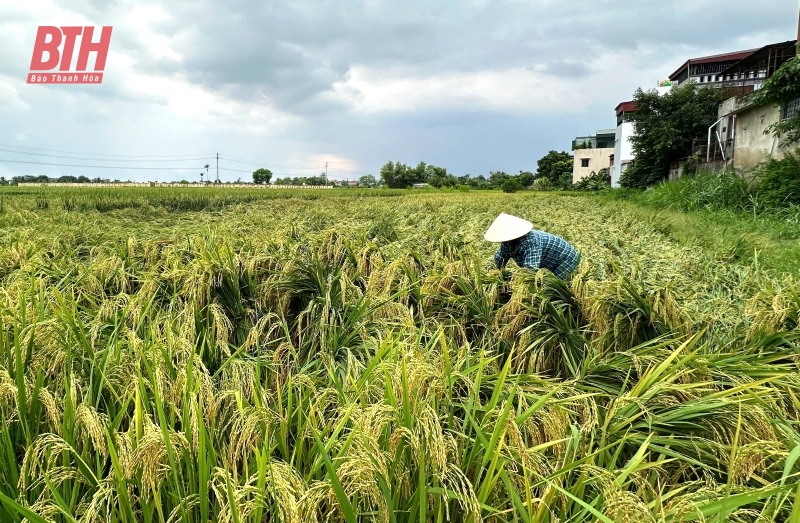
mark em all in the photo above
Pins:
pixel 792 109
pixel 602 145
pixel 584 162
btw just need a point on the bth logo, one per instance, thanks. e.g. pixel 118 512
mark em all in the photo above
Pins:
pixel 47 55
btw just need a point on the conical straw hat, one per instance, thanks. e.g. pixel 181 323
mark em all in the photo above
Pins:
pixel 506 228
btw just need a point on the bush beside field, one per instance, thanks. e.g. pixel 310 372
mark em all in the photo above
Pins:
pixel 350 358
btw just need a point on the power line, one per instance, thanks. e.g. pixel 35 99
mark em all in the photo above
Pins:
pixel 3 160
pixel 103 159
pixel 109 155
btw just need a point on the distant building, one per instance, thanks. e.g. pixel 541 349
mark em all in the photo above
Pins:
pixel 419 185
pixel 592 153
pixel 707 69
pixel 623 149
pixel 602 139
pixel 758 66
pixel 738 138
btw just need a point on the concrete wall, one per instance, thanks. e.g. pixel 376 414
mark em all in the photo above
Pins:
pixel 598 159
pixel 623 151
pixel 751 145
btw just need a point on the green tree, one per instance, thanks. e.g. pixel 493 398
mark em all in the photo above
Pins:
pixel 401 176
pixel 262 176
pixel 664 128
pixel 553 165
pixel 438 177
pixel 511 184
pixel 367 181
pixel 497 179
pixel 783 88
pixel 526 178
pixel 394 175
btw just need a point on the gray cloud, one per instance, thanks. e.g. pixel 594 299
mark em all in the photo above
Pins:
pixel 287 56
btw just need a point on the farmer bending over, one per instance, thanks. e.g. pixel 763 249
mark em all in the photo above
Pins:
pixel 531 248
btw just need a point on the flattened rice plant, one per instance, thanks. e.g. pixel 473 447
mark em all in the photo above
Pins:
pixel 171 356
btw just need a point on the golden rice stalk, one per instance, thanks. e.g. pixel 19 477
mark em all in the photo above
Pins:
pixel 283 490
pixel 622 506
pixel 102 504
pixel 42 455
pixel 150 456
pixel 93 427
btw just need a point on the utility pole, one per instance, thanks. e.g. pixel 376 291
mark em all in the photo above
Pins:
pixel 217 167
pixel 326 173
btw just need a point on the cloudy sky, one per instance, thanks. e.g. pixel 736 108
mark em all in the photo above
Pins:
pixel 473 86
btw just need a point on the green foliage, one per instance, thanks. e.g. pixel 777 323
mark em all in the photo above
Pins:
pixel 596 181
pixel 497 179
pixel 315 181
pixel 705 191
pixel 401 176
pixel 262 176
pixel 775 186
pixel 526 178
pixel 778 181
pixel 554 166
pixel 542 184
pixel 511 185
pixel 367 181
pixel 782 88
pixel 664 128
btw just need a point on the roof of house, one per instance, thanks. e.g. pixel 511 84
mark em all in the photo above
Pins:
pixel 789 48
pixel 725 57
pixel 625 107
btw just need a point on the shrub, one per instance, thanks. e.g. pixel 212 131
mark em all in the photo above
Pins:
pixel 542 184
pixel 599 181
pixel 778 181
pixel 707 190
pixel 511 185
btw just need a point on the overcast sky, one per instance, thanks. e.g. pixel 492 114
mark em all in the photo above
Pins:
pixel 472 86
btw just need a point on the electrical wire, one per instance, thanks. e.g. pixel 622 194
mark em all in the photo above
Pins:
pixel 2 150
pixel 3 160
pixel 108 155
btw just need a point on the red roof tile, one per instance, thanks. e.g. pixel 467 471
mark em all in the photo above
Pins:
pixel 625 107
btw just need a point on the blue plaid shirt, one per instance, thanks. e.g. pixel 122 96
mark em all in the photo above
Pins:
pixel 539 249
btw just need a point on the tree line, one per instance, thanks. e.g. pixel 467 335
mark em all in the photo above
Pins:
pixel 41 178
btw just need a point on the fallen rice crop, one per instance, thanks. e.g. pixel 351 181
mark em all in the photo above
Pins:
pixel 200 355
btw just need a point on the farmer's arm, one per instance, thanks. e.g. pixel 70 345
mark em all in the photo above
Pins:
pixel 502 256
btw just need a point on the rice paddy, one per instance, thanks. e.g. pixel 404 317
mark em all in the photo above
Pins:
pixel 195 355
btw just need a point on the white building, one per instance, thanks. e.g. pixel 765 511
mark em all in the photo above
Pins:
pixel 623 149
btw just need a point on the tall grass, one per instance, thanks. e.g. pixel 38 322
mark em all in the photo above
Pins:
pixel 296 362
pixel 707 190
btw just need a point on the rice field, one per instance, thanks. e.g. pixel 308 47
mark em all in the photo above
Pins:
pixel 196 355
